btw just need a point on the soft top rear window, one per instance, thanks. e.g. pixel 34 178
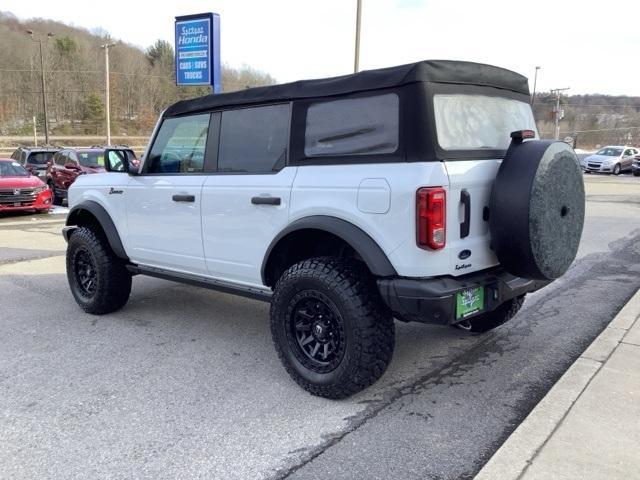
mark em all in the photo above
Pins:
pixel 479 122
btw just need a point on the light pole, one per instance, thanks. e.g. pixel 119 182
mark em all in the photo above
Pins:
pixel 558 113
pixel 356 60
pixel 535 82
pixel 107 109
pixel 44 84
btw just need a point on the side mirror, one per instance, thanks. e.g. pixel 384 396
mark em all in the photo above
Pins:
pixel 116 161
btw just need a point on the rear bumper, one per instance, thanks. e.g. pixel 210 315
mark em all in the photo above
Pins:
pixel 433 300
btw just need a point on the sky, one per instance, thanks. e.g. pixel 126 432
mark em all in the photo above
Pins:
pixel 591 47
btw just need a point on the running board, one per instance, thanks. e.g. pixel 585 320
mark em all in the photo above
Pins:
pixel 203 282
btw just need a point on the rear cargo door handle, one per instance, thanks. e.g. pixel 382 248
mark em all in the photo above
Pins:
pixel 265 200
pixel 184 198
pixel 465 199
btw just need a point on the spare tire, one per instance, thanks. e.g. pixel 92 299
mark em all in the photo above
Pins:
pixel 537 209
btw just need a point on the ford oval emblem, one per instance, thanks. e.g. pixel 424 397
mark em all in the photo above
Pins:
pixel 464 254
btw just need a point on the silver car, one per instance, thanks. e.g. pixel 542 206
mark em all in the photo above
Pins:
pixel 612 159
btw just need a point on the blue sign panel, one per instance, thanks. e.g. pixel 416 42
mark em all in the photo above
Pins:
pixel 198 50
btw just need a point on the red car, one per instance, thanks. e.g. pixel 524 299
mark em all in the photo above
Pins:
pixel 69 163
pixel 19 190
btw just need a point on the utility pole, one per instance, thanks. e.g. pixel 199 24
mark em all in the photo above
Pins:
pixel 558 114
pixel 535 83
pixel 44 85
pixel 107 108
pixel 356 61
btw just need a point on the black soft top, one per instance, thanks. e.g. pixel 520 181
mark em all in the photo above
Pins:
pixel 435 71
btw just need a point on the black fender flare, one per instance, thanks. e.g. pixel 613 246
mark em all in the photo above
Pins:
pixel 365 246
pixel 104 219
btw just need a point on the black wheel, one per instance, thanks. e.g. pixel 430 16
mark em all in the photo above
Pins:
pixel 488 321
pixel 55 198
pixel 332 332
pixel 616 169
pixel 636 173
pixel 99 280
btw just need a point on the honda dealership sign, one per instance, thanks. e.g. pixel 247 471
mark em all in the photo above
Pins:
pixel 198 50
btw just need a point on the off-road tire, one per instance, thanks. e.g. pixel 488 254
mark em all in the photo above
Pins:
pixel 55 198
pixel 490 320
pixel 113 280
pixel 367 325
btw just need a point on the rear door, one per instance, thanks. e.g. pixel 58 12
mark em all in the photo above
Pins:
pixel 245 204
pixel 473 129
pixel 164 202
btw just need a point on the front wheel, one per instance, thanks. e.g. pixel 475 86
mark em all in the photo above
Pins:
pixel 55 199
pixel 332 332
pixel 99 281
pixel 616 169
pixel 636 173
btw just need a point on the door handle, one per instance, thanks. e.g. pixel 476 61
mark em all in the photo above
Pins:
pixel 465 199
pixel 265 200
pixel 184 198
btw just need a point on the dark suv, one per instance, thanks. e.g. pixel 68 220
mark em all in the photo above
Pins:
pixel 35 159
pixel 69 163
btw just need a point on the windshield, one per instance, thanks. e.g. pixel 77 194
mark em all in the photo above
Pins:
pixel 91 159
pixel 610 152
pixel 12 169
pixel 479 122
pixel 40 158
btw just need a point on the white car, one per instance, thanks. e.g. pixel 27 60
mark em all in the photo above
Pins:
pixel 418 192
pixel 611 159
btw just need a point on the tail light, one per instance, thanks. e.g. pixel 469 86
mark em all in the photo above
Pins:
pixel 431 210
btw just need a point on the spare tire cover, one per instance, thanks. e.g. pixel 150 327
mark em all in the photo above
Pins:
pixel 537 209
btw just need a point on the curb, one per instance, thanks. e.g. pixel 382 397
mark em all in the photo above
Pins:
pixel 519 450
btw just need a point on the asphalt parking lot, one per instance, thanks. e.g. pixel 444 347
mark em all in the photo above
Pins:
pixel 184 383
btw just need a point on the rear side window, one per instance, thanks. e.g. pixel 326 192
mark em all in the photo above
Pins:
pixel 479 122
pixel 180 145
pixel 354 126
pixel 254 140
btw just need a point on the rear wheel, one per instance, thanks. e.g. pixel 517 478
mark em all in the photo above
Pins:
pixel 490 320
pixel 332 332
pixel 99 281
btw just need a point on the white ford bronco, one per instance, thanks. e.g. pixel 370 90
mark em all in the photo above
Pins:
pixel 419 192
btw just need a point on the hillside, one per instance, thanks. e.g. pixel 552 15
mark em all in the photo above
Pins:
pixel 592 119
pixel 142 82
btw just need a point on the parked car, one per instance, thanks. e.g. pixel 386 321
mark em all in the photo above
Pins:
pixel 345 203
pixel 35 159
pixel 612 159
pixel 635 167
pixel 69 163
pixel 20 190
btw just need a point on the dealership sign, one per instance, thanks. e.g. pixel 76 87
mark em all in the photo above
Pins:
pixel 198 50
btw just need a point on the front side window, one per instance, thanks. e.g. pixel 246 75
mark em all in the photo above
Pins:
pixel 353 126
pixel 254 140
pixel 60 158
pixel 479 122
pixel 179 146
